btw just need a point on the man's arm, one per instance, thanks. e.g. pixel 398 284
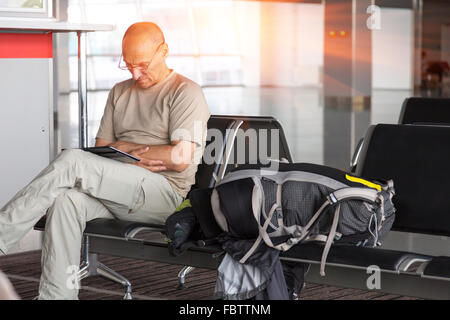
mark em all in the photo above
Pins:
pixel 135 150
pixel 175 157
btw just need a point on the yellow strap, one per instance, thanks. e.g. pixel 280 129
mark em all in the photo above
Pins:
pixel 185 204
pixel 364 182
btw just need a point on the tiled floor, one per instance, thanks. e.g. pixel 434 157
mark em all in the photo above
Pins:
pixel 151 280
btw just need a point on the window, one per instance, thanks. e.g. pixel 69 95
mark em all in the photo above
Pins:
pixel 26 8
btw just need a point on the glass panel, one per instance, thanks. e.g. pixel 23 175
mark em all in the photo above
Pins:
pixel 185 65
pixel 392 47
pixel 435 50
pixel 270 58
pixel 392 64
pixel 229 48
pixel 221 70
pixel 215 27
pixel 175 20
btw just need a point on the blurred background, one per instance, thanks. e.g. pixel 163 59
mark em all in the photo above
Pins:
pixel 326 69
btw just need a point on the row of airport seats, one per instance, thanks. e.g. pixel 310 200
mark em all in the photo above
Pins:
pixel 415 110
pixel 127 239
pixel 414 261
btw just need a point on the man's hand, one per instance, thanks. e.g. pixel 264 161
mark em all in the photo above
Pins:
pixel 125 146
pixel 152 165
pixel 174 157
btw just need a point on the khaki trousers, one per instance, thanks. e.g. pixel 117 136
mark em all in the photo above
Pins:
pixel 77 187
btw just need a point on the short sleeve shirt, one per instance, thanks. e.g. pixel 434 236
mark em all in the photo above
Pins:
pixel 173 109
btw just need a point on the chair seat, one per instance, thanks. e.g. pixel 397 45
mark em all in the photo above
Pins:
pixel 109 227
pixel 344 255
pixel 438 267
pixel 352 255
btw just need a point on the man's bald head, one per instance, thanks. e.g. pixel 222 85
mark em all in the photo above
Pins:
pixel 144 31
pixel 141 40
pixel 143 44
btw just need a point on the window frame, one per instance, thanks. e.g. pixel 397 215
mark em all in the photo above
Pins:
pixel 46 12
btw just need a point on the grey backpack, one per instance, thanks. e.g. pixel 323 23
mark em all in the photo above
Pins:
pixel 302 202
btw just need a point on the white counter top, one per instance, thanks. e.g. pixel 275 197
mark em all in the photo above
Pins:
pixel 54 26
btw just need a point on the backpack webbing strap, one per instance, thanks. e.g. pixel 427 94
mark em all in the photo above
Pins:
pixel 334 198
pixel 365 194
pixel 262 235
pixel 339 196
pixel 305 232
pixel 279 208
pixel 329 239
pixel 251 250
pixel 263 229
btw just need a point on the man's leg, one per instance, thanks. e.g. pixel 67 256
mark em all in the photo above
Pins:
pixel 157 200
pixel 101 178
pixel 129 192
pixel 7 291
pixel 66 221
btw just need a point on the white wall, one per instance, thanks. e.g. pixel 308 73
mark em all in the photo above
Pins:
pixel 25 129
pixel 392 50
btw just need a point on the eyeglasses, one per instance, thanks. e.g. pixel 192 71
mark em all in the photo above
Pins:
pixel 141 66
pixel 126 66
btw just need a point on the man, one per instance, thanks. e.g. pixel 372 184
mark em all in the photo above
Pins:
pixel 158 116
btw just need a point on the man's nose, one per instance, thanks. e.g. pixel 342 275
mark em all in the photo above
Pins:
pixel 136 73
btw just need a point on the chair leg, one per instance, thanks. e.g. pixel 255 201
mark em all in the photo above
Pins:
pixel 110 274
pixel 92 267
pixel 182 276
pixel 83 273
pixel 86 269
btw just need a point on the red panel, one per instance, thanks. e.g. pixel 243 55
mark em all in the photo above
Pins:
pixel 26 45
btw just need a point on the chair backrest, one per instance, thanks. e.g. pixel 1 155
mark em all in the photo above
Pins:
pixel 417 159
pixel 416 110
pixel 255 139
pixel 204 175
pixel 225 149
pixel 419 110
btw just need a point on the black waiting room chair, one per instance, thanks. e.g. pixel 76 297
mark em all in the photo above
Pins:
pixel 121 238
pixel 416 111
pixel 415 157
pixel 417 262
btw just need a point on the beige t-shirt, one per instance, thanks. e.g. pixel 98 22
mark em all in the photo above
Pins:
pixel 173 109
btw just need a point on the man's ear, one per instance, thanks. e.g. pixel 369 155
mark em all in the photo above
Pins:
pixel 165 50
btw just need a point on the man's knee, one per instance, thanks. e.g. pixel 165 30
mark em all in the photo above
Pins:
pixel 71 196
pixel 71 155
pixel 67 206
